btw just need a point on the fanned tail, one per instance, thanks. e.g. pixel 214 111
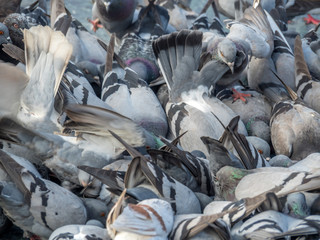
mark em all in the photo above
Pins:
pixel 178 55
pixel 47 54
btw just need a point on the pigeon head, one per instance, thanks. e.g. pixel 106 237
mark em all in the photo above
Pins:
pixel 4 34
pixel 227 52
pixel 15 22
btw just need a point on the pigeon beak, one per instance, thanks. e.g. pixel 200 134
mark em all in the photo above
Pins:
pixel 97 80
pixel 231 66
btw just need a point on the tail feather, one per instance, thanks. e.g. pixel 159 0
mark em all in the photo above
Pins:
pixel 193 47
pixel 178 53
pixel 97 121
pixel 181 43
pixel 57 10
pixel 259 18
pixel 47 54
pixel 301 68
pixel 171 41
pixel 160 47
pixel 43 39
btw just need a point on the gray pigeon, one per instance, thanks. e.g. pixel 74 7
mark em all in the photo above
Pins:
pixel 272 224
pixel 4 39
pixel 269 51
pixel 36 205
pixel 80 232
pixel 288 135
pixel 16 22
pixel 115 16
pixel 307 87
pixel 122 89
pixel 190 107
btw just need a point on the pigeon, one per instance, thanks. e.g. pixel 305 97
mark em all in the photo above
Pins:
pixel 80 232
pixel 18 21
pixel 37 205
pixel 4 39
pixel 269 51
pixel 232 52
pixel 306 85
pixel 144 173
pixel 261 145
pixel 219 46
pixel 122 89
pixel 272 224
pixel 310 47
pixel 15 22
pixel 113 17
pixel 36 13
pixel 152 21
pixel 87 45
pixel 289 180
pixel 296 205
pixel 34 110
pixel 189 102
pixel 137 53
pixel 288 136
pixel 149 218
pixel 215 224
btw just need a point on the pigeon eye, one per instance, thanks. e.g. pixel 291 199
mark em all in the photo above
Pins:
pixel 1 32
pixel 221 54
pixel 15 25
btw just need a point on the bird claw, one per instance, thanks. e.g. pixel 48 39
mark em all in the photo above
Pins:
pixel 95 24
pixel 238 95
pixel 311 19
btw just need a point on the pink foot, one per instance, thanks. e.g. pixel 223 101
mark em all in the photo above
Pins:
pixel 311 19
pixel 95 24
pixel 238 95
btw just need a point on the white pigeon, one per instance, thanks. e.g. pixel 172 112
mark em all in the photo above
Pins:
pixel 32 96
pixel 79 232
pixel 151 218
